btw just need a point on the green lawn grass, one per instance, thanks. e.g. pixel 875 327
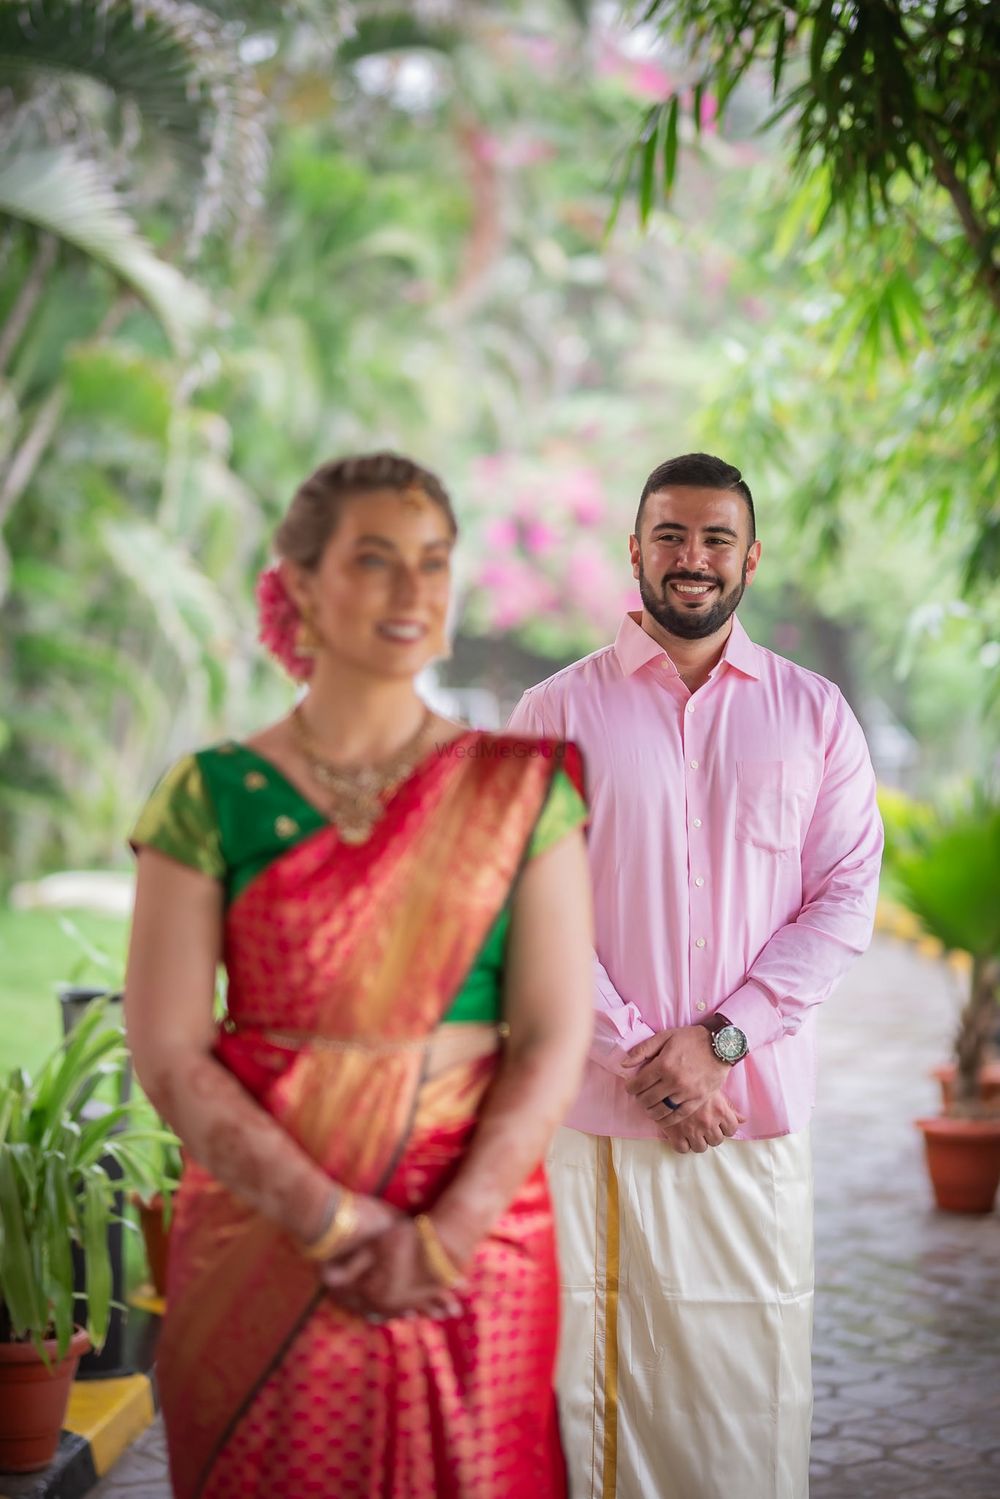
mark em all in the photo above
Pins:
pixel 38 951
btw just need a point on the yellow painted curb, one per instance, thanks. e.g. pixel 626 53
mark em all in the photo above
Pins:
pixel 146 1300
pixel 109 1414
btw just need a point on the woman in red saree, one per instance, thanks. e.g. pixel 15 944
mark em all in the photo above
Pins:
pixel 362 1297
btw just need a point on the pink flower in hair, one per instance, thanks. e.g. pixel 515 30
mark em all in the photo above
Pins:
pixel 279 622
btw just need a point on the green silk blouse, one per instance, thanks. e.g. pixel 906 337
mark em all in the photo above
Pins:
pixel 229 812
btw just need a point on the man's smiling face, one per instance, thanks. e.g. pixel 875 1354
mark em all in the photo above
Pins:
pixel 694 559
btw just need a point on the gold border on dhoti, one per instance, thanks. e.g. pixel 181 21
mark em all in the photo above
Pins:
pixel 604 1459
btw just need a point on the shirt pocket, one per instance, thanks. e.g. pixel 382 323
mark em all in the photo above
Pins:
pixel 770 799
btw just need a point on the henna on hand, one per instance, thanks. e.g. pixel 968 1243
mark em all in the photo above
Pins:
pixel 228 1133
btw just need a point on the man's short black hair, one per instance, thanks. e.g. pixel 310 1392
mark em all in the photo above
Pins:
pixel 698 471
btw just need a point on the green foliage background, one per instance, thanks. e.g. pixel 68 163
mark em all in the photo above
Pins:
pixel 245 237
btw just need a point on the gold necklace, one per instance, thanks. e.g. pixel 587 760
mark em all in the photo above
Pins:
pixel 353 793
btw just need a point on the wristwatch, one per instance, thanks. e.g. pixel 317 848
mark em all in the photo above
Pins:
pixel 728 1041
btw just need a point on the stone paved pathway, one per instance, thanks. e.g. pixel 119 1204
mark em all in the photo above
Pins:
pixel 907 1341
pixel 907 1346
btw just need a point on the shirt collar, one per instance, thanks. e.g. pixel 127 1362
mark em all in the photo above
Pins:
pixel 741 652
pixel 634 648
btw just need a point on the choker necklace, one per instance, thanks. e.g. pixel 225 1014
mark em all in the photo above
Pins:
pixel 353 793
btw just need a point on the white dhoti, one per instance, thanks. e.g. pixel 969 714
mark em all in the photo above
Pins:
pixel 687 1297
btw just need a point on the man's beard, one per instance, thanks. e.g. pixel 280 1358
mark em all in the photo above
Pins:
pixel 687 624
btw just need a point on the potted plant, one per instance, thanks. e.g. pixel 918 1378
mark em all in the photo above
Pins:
pixel 155 1207
pixel 944 865
pixel 55 1190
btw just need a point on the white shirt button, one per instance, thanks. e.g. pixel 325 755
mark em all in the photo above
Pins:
pixel 700 1005
pixel 697 822
pixel 700 880
pixel 694 764
pixel 700 942
pixel 689 708
pixel 664 663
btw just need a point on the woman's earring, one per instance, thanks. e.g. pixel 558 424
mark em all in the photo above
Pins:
pixel 306 639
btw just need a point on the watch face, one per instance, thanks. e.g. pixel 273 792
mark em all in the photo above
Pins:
pixel 730 1043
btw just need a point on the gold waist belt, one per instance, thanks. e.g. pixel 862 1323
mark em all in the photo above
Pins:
pixel 371 1044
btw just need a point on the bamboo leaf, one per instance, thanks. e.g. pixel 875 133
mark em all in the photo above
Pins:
pixel 647 180
pixel 891 311
pixel 670 144
pixel 699 94
pixel 822 28
pixel 911 306
pixel 779 56
pixel 624 179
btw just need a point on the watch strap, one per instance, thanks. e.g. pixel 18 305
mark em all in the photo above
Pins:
pixel 719 1022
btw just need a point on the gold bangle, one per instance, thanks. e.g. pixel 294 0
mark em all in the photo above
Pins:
pixel 340 1227
pixel 439 1262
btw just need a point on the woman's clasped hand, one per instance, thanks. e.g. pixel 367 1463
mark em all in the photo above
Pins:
pixel 383 1272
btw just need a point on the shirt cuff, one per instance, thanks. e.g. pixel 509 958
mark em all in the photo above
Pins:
pixel 611 1051
pixel 755 1012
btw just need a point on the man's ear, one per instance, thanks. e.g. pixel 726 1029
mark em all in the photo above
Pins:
pixel 753 558
pixel 635 554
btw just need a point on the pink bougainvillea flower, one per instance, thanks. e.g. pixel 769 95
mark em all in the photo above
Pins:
pixel 642 77
pixel 585 499
pixel 709 110
pixel 754 308
pixel 591 581
pixel 539 538
pixel 501 534
pixel 648 80
pixel 279 622
pixel 484 145
pixel 490 467
pixel 527 150
pixel 541 51
pixel 516 593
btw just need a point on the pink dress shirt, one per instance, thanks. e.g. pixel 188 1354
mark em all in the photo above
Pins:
pixel 735 846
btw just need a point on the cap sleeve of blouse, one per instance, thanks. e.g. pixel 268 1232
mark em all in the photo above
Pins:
pixel 179 820
pixel 564 810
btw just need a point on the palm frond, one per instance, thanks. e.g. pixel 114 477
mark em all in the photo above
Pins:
pixel 58 191
pixel 190 612
pixel 178 64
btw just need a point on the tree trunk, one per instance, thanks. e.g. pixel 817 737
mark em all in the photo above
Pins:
pixel 975 1033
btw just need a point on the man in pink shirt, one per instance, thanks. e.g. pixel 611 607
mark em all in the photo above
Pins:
pixel 735 847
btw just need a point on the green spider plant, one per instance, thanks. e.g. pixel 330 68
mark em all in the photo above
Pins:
pixel 55 1189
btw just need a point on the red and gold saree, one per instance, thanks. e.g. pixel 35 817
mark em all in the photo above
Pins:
pixel 341 962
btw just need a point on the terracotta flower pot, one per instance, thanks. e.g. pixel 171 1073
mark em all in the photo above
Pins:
pixel 157 1239
pixel 33 1402
pixel 989 1082
pixel 963 1159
